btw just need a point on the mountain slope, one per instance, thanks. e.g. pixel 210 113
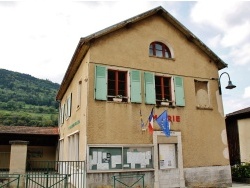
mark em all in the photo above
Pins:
pixel 26 100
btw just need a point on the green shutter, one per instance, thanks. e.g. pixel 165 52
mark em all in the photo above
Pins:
pixel 149 88
pixel 100 83
pixel 179 91
pixel 135 84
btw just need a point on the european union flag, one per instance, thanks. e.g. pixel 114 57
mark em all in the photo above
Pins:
pixel 162 121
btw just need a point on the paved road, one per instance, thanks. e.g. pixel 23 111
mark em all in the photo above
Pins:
pixel 241 185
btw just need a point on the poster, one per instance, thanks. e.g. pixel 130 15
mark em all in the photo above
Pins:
pixel 167 156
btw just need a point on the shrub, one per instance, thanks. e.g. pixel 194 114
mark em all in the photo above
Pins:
pixel 241 170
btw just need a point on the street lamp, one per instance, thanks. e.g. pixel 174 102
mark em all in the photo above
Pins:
pixel 230 84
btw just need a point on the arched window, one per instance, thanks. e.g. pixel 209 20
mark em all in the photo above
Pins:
pixel 159 49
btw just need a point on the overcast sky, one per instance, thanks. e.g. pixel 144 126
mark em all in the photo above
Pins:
pixel 40 37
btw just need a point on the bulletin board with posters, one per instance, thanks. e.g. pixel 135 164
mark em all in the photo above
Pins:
pixel 167 156
pixel 120 158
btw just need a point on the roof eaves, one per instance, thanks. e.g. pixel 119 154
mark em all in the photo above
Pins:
pixel 239 112
pixel 122 24
pixel 75 62
pixel 85 42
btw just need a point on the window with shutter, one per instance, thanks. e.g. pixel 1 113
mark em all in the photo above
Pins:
pixel 111 84
pixel 159 90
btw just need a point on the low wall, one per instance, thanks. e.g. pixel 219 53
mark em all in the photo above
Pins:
pixel 213 176
pixel 106 180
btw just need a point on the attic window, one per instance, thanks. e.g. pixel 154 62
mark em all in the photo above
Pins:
pixel 159 49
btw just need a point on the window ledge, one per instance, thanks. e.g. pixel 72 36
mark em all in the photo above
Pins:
pixel 203 108
pixel 173 59
pixel 121 170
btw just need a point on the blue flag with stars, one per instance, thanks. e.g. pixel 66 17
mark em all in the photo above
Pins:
pixel 162 121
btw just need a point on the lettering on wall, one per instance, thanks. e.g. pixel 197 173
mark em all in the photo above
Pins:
pixel 74 124
pixel 173 118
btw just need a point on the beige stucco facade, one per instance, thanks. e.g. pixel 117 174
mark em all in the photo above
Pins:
pixel 200 129
pixel 244 139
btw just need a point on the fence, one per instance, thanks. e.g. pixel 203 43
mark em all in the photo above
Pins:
pixel 55 174
pixel 45 174
pixel 129 180
pixel 9 180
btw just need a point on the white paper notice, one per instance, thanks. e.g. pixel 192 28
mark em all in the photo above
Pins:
pixel 148 154
pixel 99 160
pixel 104 155
pixel 115 159
pixel 102 166
pixel 94 157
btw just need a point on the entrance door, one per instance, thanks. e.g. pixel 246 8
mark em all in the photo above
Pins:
pixel 168 160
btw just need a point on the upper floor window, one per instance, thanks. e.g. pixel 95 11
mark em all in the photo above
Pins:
pixel 159 49
pixel 161 88
pixel 113 83
pixel 117 84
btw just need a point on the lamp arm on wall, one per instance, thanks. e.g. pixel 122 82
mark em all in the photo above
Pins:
pixel 230 84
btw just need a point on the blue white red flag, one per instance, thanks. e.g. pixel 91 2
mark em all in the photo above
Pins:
pixel 151 122
pixel 162 121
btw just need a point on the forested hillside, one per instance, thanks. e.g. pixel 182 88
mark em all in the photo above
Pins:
pixel 26 100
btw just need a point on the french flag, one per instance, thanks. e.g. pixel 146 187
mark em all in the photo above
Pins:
pixel 150 122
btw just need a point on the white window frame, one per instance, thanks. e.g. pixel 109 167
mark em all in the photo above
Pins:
pixel 172 102
pixel 128 80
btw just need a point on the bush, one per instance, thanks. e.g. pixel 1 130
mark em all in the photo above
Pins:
pixel 241 170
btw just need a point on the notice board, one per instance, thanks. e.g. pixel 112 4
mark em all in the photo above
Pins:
pixel 167 156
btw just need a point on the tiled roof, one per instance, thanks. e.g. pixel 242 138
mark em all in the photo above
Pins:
pixel 239 112
pixel 29 130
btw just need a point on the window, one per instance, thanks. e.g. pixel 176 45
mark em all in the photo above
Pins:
pixel 117 84
pixel 111 83
pixel 159 49
pixel 73 147
pixel 202 94
pixel 67 107
pixel 120 158
pixel 163 89
pixel 160 89
pixel 61 114
pixel 61 148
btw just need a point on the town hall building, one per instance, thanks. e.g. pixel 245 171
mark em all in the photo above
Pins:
pixel 116 78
